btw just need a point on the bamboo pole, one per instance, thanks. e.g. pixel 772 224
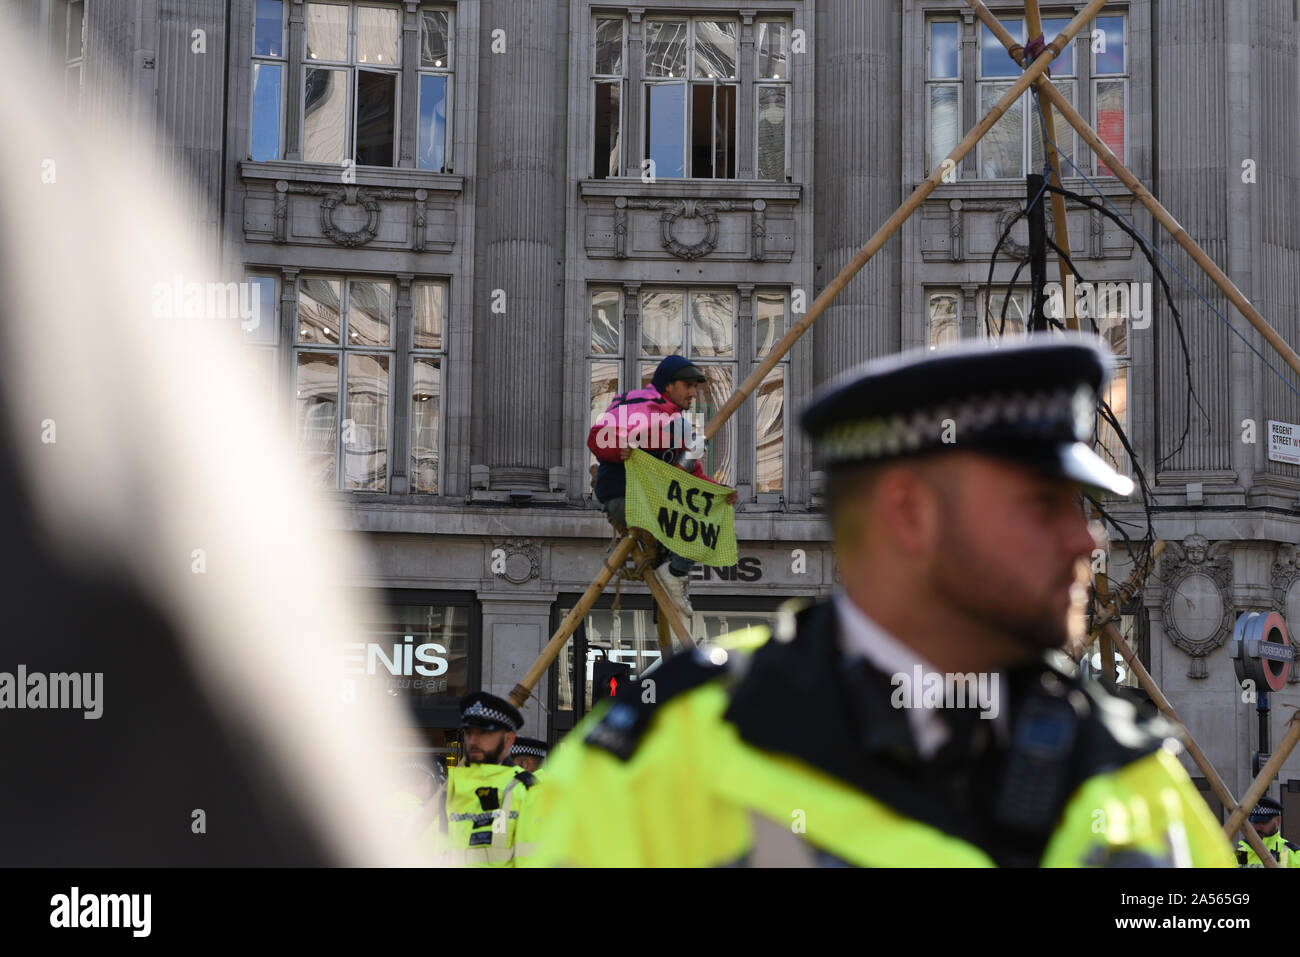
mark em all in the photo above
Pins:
pixel 1035 25
pixel 1193 749
pixel 1266 773
pixel 668 610
pixel 522 690
pixel 1143 195
pixel 900 215
pixel 664 636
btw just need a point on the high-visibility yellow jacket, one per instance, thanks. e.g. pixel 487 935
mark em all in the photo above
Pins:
pixel 483 806
pixel 1284 852
pixel 411 818
pixel 792 755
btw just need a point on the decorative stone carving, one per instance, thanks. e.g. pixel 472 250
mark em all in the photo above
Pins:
pixel 1286 593
pixel 758 229
pixel 620 227
pixel 689 209
pixel 672 211
pixel 421 220
pixel 1011 247
pixel 523 561
pixel 365 197
pixel 1198 615
pixel 350 196
pixel 954 229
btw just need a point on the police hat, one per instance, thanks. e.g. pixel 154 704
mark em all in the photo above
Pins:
pixel 1032 402
pixel 1265 809
pixel 530 746
pixel 478 709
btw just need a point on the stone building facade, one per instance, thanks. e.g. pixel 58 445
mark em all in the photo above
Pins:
pixel 474 222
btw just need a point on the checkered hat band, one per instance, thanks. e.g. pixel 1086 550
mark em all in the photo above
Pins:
pixel 1061 412
pixel 479 710
pixel 529 750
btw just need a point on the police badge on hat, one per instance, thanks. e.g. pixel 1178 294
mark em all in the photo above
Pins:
pixel 531 747
pixel 489 713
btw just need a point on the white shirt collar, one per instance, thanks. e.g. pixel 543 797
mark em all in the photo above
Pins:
pixel 863 637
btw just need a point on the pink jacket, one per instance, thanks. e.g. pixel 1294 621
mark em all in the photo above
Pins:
pixel 644 419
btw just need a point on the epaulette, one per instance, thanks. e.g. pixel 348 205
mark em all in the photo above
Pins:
pixel 620 729
pixel 526 778
pixel 1290 846
pixel 1114 733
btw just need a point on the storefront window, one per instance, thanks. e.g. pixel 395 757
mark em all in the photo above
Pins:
pixel 420 652
pixel 629 636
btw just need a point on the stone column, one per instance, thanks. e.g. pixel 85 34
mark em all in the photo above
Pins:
pixel 632 119
pixel 293 82
pixel 746 155
pixel 744 418
pixel 519 240
pixel 857 179
pixel 399 442
pixel 410 83
pixel 1243 129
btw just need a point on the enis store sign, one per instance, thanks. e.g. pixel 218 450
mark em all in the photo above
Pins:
pixel 403 659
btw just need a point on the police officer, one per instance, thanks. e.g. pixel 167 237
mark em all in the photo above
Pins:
pixel 1267 818
pixel 485 797
pixel 954 481
pixel 529 753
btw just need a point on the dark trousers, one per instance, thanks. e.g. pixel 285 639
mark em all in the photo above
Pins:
pixel 616 509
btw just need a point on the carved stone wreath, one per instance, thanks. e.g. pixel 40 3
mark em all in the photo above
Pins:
pixel 1196 557
pixel 1011 247
pixel 1286 575
pixel 689 209
pixel 523 561
pixel 350 196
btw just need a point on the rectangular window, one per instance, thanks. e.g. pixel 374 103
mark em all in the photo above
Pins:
pixel 943 308
pixel 436 41
pixel 943 91
pixel 691 93
pixel 627 636
pixel 689 99
pixel 773 133
pixel 770 322
pixel 1002 314
pixel 604 350
pixel 1014 145
pixel 699 324
pixel 1110 87
pixel 261 331
pixel 344 360
pixel 428 312
pixel 349 112
pixel 1112 324
pixel 436 673
pixel 608 75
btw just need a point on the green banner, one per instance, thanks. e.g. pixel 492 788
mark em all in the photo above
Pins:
pixel 689 515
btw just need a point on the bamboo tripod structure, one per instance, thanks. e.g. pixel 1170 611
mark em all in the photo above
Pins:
pixel 1033 74
pixel 1110 639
